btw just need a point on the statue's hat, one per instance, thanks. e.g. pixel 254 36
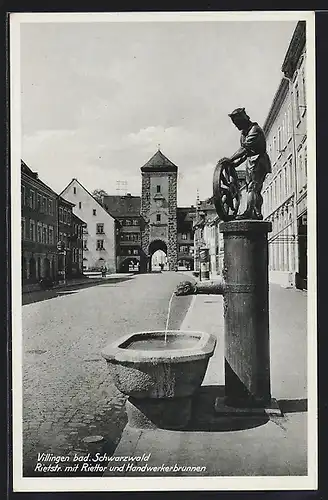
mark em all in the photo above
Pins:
pixel 239 112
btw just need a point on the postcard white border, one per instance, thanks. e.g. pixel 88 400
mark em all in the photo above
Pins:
pixel 234 483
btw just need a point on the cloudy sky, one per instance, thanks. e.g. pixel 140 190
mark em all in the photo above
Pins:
pixel 98 97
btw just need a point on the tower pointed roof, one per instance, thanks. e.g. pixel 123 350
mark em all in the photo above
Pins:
pixel 159 163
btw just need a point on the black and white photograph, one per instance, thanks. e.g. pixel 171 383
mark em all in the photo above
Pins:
pixel 163 213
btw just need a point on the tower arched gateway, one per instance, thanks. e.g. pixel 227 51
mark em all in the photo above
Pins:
pixel 159 208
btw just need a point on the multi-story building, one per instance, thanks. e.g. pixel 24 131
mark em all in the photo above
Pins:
pixel 77 246
pixel 99 229
pixel 65 229
pixel 39 204
pixel 185 235
pixel 207 234
pixel 203 232
pixel 129 224
pixel 285 189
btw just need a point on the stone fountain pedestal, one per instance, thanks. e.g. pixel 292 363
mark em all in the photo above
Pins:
pixel 161 380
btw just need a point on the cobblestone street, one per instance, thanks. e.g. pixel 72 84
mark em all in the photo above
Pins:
pixel 67 392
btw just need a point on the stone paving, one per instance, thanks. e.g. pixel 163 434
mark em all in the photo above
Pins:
pixel 67 393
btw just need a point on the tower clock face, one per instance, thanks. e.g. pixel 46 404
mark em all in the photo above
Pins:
pixel 159 203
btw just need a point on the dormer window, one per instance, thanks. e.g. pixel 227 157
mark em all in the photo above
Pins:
pixel 158 217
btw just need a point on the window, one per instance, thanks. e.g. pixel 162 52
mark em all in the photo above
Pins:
pixel 23 228
pixel 158 217
pixel 60 214
pixel 284 176
pixel 158 188
pixel 274 149
pixel 279 141
pixel 290 174
pixel 289 122
pixel 32 230
pixel 94 211
pixel 128 222
pixel 80 204
pixel 74 190
pixel 135 222
pixel 305 163
pixel 23 195
pixel 300 172
pixel 135 251
pixel 39 202
pixel 32 199
pixel 51 207
pixel 51 235
pixel 85 245
pixel 69 216
pixel 184 236
pixel 184 249
pixel 45 234
pixel 100 244
pixel 304 86
pixel 44 204
pixel 100 229
pixel 284 131
pixel 39 232
pixel 297 102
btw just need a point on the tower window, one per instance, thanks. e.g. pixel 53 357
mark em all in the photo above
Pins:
pixel 94 211
pixel 158 217
pixel 158 188
pixel 80 204
pixel 74 190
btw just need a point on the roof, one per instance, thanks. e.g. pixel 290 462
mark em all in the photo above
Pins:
pixel 78 218
pixel 65 202
pixel 159 163
pixel 119 206
pixel 34 175
pixel 186 214
pixel 79 183
pixel 277 102
pixel 294 50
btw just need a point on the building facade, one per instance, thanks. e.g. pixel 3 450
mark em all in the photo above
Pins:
pixel 39 205
pixel 159 209
pixel 76 246
pixel 285 189
pixel 126 212
pixel 185 237
pixel 65 230
pixel 207 233
pixel 99 229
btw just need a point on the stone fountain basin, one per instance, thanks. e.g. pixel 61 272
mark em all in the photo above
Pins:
pixel 142 366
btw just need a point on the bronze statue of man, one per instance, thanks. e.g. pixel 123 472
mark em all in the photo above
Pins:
pixel 253 149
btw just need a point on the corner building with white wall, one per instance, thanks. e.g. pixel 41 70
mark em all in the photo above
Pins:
pixel 99 234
